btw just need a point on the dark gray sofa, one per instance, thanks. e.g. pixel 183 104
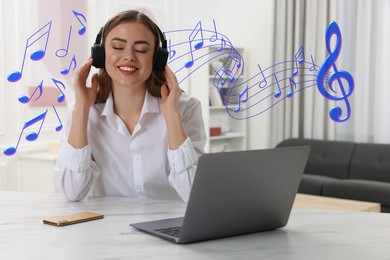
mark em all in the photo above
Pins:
pixel 358 171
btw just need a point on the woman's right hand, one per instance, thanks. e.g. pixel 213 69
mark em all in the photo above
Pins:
pixel 85 96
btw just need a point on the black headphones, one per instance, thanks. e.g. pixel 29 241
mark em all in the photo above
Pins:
pixel 99 55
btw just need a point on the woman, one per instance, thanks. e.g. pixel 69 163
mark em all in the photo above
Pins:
pixel 133 133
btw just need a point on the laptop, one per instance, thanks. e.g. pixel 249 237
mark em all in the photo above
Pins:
pixel 236 193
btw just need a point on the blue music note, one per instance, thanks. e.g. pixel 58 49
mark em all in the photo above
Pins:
pixel 230 74
pixel 237 61
pixel 171 51
pixel 263 82
pixel 223 45
pixel 65 50
pixel 73 61
pixel 218 80
pixel 24 99
pixel 215 37
pixel 32 136
pixel 242 97
pixel 58 83
pixel 278 92
pixel 297 60
pixel 82 28
pixel 293 86
pixel 313 66
pixel 36 55
pixel 198 29
pixel 335 113
pixel 59 127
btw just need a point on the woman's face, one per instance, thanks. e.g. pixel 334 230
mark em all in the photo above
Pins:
pixel 129 54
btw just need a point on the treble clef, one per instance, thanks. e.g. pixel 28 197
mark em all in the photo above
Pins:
pixel 335 113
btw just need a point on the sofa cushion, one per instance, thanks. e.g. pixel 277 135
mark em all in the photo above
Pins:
pixel 364 190
pixel 371 162
pixel 312 184
pixel 327 158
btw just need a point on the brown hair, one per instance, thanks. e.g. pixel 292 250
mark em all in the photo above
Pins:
pixel 156 79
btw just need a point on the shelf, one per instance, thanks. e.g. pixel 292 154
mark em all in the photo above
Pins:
pixel 215 114
pixel 217 108
pixel 230 135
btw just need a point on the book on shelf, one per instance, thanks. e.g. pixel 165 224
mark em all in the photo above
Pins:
pixel 215 98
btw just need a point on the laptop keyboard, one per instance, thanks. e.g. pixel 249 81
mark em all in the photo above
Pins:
pixel 172 231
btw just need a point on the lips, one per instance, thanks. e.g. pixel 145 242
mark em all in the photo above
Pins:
pixel 127 69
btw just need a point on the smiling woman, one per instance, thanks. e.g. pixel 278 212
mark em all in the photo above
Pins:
pixel 133 114
pixel 130 54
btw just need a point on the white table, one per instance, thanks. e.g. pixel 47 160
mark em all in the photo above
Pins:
pixel 310 233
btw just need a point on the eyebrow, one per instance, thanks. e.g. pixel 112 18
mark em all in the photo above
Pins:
pixel 125 41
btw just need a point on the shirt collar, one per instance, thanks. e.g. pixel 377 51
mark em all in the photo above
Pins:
pixel 151 105
pixel 108 110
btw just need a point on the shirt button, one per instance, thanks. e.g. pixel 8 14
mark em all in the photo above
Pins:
pixel 136 157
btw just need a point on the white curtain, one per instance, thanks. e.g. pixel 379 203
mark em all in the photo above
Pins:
pixel 365 54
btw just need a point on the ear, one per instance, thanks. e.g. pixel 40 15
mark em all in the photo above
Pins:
pixel 164 91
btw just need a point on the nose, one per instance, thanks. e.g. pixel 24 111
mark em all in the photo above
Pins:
pixel 130 55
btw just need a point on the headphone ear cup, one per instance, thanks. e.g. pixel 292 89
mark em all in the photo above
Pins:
pixel 161 59
pixel 98 56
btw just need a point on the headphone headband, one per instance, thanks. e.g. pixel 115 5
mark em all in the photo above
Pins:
pixel 98 52
pixel 99 36
pixel 162 37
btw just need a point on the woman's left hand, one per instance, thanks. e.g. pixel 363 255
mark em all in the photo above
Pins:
pixel 170 93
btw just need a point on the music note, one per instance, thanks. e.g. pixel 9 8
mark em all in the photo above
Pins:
pixel 197 46
pixel 220 79
pixel 230 74
pixel 67 46
pixel 263 83
pixel 214 37
pixel 36 55
pixel 232 65
pixel 278 92
pixel 313 66
pixel 58 83
pixel 171 51
pixel 32 136
pixel 335 113
pixel 82 28
pixel 223 44
pixel 73 61
pixel 297 60
pixel 59 127
pixel 25 99
pixel 243 93
pixel 237 61
pixel 293 86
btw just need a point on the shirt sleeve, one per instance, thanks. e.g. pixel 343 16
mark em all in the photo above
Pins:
pixel 75 169
pixel 183 161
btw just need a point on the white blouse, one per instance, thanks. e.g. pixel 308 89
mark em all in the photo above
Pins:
pixel 139 165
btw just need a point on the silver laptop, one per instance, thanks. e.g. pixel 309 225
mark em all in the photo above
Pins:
pixel 236 193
